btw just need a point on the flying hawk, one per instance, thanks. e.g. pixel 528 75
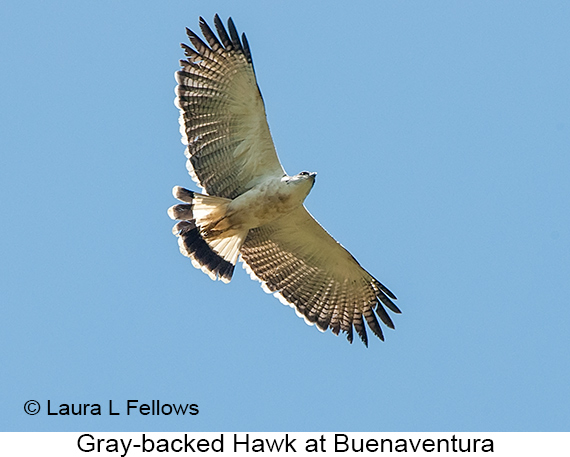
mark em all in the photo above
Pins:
pixel 250 208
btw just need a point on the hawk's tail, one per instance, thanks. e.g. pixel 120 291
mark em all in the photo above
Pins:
pixel 202 234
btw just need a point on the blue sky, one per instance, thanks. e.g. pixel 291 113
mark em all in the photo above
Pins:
pixel 441 135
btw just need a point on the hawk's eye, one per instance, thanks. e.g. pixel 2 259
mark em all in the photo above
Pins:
pixel 304 173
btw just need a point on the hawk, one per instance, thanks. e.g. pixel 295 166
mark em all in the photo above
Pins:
pixel 250 207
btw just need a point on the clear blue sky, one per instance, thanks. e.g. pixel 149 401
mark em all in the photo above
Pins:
pixel 441 135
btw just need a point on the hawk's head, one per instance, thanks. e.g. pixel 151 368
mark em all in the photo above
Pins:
pixel 305 177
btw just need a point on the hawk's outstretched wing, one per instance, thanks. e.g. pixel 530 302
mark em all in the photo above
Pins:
pixel 222 115
pixel 295 258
